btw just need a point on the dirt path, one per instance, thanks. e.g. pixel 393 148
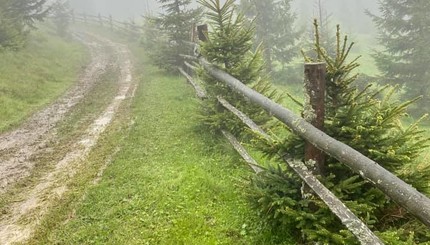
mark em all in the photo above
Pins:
pixel 17 148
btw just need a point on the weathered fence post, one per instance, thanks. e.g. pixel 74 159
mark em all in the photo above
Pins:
pixel 194 33
pixel 202 31
pixel 314 110
pixel 85 18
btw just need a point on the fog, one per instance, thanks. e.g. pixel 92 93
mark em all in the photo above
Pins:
pixel 124 9
pixel 349 13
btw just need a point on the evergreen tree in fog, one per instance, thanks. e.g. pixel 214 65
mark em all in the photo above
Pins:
pixel 274 28
pixel 177 22
pixel 16 18
pixel 404 30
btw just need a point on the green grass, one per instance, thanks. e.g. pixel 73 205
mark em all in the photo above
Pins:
pixel 169 183
pixel 69 130
pixel 37 74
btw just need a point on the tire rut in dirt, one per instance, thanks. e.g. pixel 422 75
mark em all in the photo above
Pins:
pixel 25 143
pixel 18 147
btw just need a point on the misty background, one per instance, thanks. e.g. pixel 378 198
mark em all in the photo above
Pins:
pixel 349 13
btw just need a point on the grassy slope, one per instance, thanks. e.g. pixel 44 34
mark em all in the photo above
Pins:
pixel 36 75
pixel 167 185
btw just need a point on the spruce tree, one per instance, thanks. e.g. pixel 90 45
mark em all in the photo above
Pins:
pixel 404 32
pixel 61 15
pixel 17 18
pixel 274 23
pixel 29 11
pixel 176 23
pixel 230 48
pixel 370 121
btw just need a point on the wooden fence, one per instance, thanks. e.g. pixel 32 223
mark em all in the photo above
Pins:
pixel 129 27
pixel 399 191
pixel 317 141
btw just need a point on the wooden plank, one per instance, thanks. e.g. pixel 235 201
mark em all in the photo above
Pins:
pixel 189 57
pixel 199 90
pixel 348 218
pixel 243 117
pixel 242 152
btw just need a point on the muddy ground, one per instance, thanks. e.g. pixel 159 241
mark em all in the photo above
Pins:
pixel 20 147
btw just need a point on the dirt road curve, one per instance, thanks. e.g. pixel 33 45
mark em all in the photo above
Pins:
pixel 18 147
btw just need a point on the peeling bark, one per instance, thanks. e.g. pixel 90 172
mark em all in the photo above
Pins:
pixel 314 113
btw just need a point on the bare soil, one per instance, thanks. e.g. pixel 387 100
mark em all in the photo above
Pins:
pixel 19 147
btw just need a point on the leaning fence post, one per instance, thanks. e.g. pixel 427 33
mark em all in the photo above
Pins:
pixel 314 111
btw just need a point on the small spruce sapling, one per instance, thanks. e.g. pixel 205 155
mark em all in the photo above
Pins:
pixel 230 48
pixel 368 120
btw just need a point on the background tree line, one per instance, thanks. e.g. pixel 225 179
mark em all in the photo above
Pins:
pixel 19 17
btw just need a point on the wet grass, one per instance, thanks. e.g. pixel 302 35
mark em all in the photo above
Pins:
pixel 34 76
pixel 168 184
pixel 68 130
pixel 63 209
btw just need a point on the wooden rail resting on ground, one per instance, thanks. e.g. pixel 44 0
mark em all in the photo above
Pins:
pixel 399 191
pixel 233 141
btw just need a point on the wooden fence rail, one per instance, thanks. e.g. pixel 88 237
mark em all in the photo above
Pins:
pixel 347 217
pixel 129 27
pixel 399 191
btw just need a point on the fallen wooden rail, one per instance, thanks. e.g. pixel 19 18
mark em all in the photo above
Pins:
pixel 399 191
